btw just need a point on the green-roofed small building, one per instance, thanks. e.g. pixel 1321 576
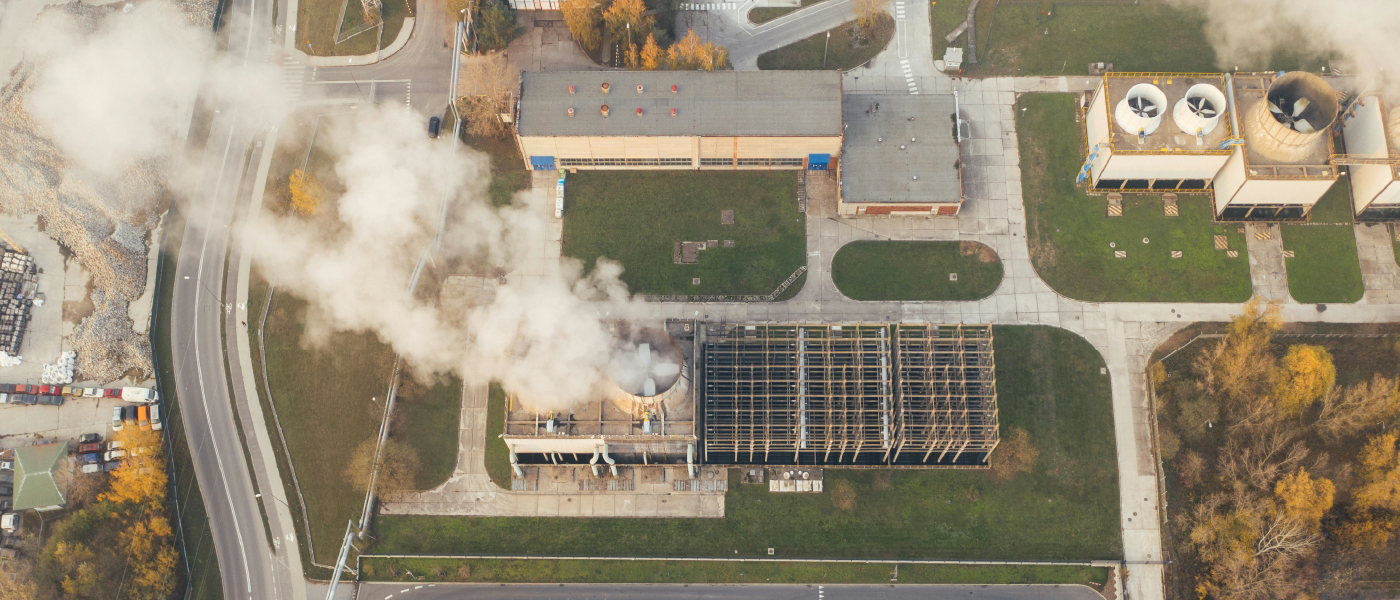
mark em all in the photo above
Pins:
pixel 35 487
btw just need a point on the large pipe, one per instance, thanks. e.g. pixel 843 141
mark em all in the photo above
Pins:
pixel 690 460
pixel 593 462
pixel 515 466
pixel 612 464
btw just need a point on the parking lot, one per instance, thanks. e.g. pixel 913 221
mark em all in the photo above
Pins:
pixel 25 425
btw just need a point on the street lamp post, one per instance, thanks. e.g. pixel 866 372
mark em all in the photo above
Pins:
pixel 825 48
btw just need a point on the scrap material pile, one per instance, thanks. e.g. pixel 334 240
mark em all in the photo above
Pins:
pixel 17 288
pixel 61 372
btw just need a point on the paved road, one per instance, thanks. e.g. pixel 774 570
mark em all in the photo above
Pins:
pixel 418 75
pixel 470 591
pixel 745 41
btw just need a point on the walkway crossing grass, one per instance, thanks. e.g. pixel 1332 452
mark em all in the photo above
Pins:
pixel 886 270
pixel 1325 267
pixel 1050 383
pixel 847 48
pixel 1073 242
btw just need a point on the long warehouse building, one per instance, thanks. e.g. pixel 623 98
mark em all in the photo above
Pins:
pixel 679 119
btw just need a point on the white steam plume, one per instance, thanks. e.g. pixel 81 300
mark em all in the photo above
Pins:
pixel 544 336
pixel 1248 32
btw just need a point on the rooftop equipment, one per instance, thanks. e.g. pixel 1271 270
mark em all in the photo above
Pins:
pixel 1140 110
pixel 1299 109
pixel 1198 113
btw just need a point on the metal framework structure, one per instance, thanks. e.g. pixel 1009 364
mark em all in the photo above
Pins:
pixel 848 395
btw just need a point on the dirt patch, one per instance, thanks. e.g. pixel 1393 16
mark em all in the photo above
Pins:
pixel 74 311
pixel 983 252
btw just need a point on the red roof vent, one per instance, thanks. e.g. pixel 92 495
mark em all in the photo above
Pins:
pixel 571 89
pixel 673 112
pixel 673 89
pixel 639 89
pixel 571 111
pixel 605 87
pixel 604 110
pixel 639 112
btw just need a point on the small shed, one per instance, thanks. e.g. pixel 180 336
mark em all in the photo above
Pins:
pixel 35 487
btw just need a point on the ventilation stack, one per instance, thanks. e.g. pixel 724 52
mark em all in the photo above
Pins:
pixel 1283 165
pixel 1372 134
pixel 1135 147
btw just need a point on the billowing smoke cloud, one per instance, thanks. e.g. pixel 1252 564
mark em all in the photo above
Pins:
pixel 1248 32
pixel 545 335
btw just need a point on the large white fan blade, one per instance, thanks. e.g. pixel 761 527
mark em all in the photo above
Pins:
pixel 1300 106
pixel 1302 126
pixel 644 353
pixel 665 369
pixel 649 388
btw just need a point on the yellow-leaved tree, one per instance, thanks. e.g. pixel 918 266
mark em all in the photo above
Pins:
pixel 1303 497
pixel 624 16
pixel 585 21
pixel 142 477
pixel 149 548
pixel 1306 374
pixel 307 193
pixel 651 54
pixel 1379 474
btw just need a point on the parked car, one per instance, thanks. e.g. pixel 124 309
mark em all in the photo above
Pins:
pixel 89 438
pixel 128 413
pixel 6 490
pixel 112 455
pixel 7 387
pixel 92 392
pixel 4 398
pixel 10 522
pixel 140 395
pixel 86 448
pixel 7 476
pixel 91 458
pixel 21 388
pixel 7 465
pixel 72 391
pixel 155 418
pixel 434 126
pixel 51 400
pixel 25 399
pixel 110 465
pixel 112 393
pixel 143 418
pixel 49 390
pixel 116 445
pixel 116 418
pixel 92 468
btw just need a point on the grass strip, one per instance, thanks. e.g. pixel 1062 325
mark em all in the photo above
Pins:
pixel 844 47
pixel 1325 267
pixel 885 270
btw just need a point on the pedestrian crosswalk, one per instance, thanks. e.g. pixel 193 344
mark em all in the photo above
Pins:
pixel 899 11
pixel 710 5
pixel 293 78
pixel 904 62
pixel 909 76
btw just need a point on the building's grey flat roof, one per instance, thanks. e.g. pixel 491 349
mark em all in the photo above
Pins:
pixel 719 103
pixel 879 171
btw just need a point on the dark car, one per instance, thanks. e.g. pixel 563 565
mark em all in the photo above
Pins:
pixel 128 413
pixel 7 388
pixel 89 438
pixel 6 490
pixel 92 458
pixel 112 393
pixel 25 399
pixel 110 465
pixel 434 126
pixel 51 400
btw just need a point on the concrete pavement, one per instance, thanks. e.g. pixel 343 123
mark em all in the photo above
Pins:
pixel 578 591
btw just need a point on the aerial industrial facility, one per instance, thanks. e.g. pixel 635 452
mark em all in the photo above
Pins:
pixel 780 395
pixel 1372 137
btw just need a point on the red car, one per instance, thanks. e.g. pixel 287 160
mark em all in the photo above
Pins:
pixel 50 390
pixel 21 388
pixel 112 393
pixel 86 448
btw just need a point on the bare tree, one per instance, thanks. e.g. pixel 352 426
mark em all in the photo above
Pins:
pixel 1346 412
pixel 1288 536
pixel 486 89
pixel 1259 461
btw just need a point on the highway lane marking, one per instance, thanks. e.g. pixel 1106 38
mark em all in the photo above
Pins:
pixel 199 366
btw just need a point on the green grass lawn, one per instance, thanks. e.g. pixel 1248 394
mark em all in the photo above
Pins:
pixel 880 270
pixel 578 571
pixel 635 217
pixel 508 172
pixel 1050 384
pixel 1070 233
pixel 317 26
pixel 1016 38
pixel 497 454
pixel 849 48
pixel 759 16
pixel 430 423
pixel 1325 267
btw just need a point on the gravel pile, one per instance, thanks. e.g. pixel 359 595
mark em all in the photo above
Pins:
pixel 107 346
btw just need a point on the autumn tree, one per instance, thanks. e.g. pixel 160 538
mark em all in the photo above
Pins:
pixel 491 83
pixel 632 59
pixel 149 548
pixel 79 573
pixel 1303 497
pixel 1248 547
pixel 690 53
pixel 307 193
pixel 1015 454
pixel 1348 411
pixel 624 16
pixel 1239 366
pixel 398 467
pixel 142 477
pixel 1306 374
pixel 652 55
pixel 585 21
pixel 496 26
pixel 1378 469
pixel 869 12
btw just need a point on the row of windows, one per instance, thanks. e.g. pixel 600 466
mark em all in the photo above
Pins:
pixel 716 162
pixel 770 162
pixel 624 162
pixel 1152 184
pixel 1254 212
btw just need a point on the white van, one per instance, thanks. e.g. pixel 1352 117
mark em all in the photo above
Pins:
pixel 139 395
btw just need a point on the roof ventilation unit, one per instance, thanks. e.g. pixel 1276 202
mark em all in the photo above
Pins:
pixel 1199 111
pixel 1140 110
pixel 1295 114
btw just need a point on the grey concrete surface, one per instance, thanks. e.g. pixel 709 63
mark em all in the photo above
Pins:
pixel 575 591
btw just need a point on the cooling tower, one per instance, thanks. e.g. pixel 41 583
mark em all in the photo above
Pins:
pixel 1199 111
pixel 1293 118
pixel 1140 110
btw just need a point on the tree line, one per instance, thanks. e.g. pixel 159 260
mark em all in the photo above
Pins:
pixel 644 45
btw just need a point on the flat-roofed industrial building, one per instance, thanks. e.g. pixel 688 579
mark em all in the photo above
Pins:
pixel 848 395
pixel 899 156
pixel 679 119
pixel 1372 137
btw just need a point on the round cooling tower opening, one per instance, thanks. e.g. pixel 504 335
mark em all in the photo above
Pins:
pixel 1140 110
pixel 1302 102
pixel 1199 111
pixel 646 362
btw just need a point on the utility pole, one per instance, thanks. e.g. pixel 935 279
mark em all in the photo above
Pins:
pixel 825 48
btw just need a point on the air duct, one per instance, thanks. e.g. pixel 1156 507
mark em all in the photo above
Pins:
pixel 593 462
pixel 515 466
pixel 1198 113
pixel 612 464
pixel 690 460
pixel 1293 117
pixel 1140 110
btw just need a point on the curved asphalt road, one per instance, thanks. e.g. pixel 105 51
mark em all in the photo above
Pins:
pixel 483 591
